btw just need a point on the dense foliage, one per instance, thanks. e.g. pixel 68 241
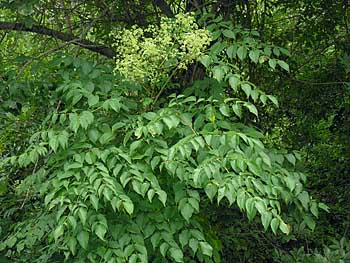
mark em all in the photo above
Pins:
pixel 174 131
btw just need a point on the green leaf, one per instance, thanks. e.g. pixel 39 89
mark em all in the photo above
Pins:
pixel 11 241
pixel 164 248
pixel 218 73
pixel 86 118
pixel 266 218
pixel 272 63
pixel 162 196
pixel 231 51
pixel 314 209
pixel 176 254
pixel 63 139
pixel 273 99
pixel 323 207
pixel 234 81
pixel 74 122
pixel 309 222
pixel 93 100
pixel 187 211
pixel 211 190
pixel 251 107
pixel 254 55
pixel 94 134
pixel 205 60
pixel 229 33
pixel 242 52
pixel 58 232
pixel 237 109
pixel 247 89
pixel 283 65
pixel 82 213
pixel 274 225
pixel 290 157
pixel 184 238
pixel 304 199
pixel 250 208
pixel 276 51
pixel 129 207
pixel 193 244
pixel 284 227
pixel 83 239
pixel 224 110
pixel 206 248
pixel 53 142
pixel 94 201
pixel 72 244
pixel 100 231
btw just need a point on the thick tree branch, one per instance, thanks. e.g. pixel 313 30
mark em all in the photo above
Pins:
pixel 66 37
pixel 164 7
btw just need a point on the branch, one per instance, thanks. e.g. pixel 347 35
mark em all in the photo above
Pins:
pixel 164 7
pixel 66 37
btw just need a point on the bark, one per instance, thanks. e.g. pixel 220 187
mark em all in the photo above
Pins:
pixel 164 7
pixel 66 37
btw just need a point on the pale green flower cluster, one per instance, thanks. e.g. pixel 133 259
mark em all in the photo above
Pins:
pixel 150 55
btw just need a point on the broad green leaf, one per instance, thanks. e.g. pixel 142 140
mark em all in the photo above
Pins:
pixel 231 51
pixel 129 207
pixel 72 245
pixel 94 134
pixel 184 238
pixel 323 207
pixel 266 218
pixel 237 109
pixel 193 244
pixel 283 65
pixel 272 63
pixel 261 206
pixel 58 232
pixel 242 52
pixel 94 201
pixel 82 213
pixel 162 196
pixel 290 157
pixel 100 231
pixel 304 199
pixel 314 209
pixel 11 241
pixel 205 60
pixel 206 248
pixel 187 211
pixel 164 248
pixel 218 73
pixel 83 239
pixel 247 89
pixel 250 208
pixel 224 110
pixel 273 99
pixel 251 107
pixel 229 33
pixel 233 81
pixel 276 51
pixel 309 222
pixel 86 118
pixel 274 225
pixel 93 100
pixel 176 254
pixel 284 227
pixel 254 55
pixel 211 190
